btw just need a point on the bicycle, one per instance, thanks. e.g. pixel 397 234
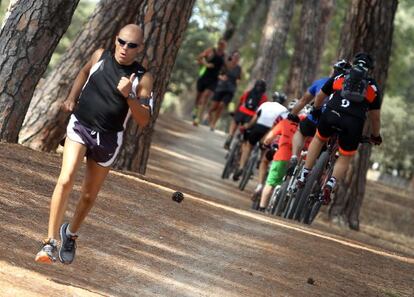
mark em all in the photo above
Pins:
pixel 251 164
pixel 233 156
pixel 312 194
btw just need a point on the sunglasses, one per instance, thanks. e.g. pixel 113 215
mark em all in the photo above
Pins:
pixel 129 44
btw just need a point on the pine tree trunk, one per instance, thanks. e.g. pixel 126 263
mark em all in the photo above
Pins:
pixel 251 20
pixel 273 40
pixel 165 23
pixel 28 38
pixel 309 42
pixel 369 28
pixel 45 122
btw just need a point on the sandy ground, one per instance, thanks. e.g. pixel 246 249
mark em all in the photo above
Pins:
pixel 138 242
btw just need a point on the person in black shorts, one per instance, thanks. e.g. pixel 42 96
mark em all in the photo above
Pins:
pixel 211 60
pixel 346 114
pixel 225 89
pixel 108 89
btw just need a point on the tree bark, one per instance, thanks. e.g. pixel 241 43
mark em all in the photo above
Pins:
pixel 273 40
pixel 369 28
pixel 309 42
pixel 28 38
pixel 164 25
pixel 254 15
pixel 45 122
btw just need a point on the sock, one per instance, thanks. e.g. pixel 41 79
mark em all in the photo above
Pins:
pixel 69 233
pixel 258 187
pixel 331 182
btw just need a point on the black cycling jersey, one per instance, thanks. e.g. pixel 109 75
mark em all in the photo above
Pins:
pixel 101 106
pixel 372 101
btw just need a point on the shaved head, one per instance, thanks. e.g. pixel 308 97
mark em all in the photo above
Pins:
pixel 132 31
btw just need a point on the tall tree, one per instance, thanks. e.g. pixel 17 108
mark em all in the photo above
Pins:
pixel 28 38
pixel 309 42
pixel 45 122
pixel 368 27
pixel 165 22
pixel 273 40
pixel 252 20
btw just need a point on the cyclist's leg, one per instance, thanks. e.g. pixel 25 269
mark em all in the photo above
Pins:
pixel 297 143
pixel 264 164
pixel 275 177
pixel 73 153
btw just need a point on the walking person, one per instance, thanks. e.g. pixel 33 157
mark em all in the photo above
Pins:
pixel 108 89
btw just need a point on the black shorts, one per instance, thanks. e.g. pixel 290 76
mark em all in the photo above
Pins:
pixel 223 96
pixel 206 83
pixel 308 127
pixel 100 147
pixel 255 133
pixel 241 118
pixel 350 130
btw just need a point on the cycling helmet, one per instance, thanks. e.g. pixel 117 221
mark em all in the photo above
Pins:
pixel 260 86
pixel 341 66
pixel 363 59
pixel 279 97
pixel 307 109
pixel 292 104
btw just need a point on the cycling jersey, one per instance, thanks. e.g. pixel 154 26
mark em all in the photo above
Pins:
pixel 286 129
pixel 101 106
pixel 250 103
pixel 317 85
pixel 336 102
pixel 271 112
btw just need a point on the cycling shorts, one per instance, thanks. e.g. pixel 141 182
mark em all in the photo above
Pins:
pixel 276 173
pixel 307 127
pixel 100 147
pixel 223 96
pixel 350 130
pixel 241 118
pixel 255 133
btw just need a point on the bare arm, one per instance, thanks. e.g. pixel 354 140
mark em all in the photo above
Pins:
pixel 80 81
pixel 320 97
pixel 306 98
pixel 201 58
pixel 141 112
pixel 375 118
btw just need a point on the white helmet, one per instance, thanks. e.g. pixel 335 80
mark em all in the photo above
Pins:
pixel 292 104
pixel 306 109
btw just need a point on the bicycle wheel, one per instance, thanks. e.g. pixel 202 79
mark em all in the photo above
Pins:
pixel 229 166
pixel 312 181
pixel 256 201
pixel 247 172
pixel 282 198
pixel 271 206
pixel 313 212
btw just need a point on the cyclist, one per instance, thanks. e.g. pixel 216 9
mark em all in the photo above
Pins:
pixel 266 115
pixel 285 129
pixel 226 88
pixel 211 60
pixel 248 104
pixel 346 113
pixel 307 127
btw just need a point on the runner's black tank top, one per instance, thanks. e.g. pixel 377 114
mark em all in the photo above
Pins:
pixel 101 106
pixel 218 62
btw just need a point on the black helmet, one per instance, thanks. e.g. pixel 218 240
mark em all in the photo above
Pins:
pixel 363 59
pixel 260 86
pixel 279 97
pixel 341 66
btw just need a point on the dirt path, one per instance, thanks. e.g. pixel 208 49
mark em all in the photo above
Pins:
pixel 137 242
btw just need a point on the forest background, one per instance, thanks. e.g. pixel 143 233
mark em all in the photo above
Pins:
pixel 211 18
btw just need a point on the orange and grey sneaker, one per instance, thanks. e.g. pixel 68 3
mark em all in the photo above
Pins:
pixel 47 253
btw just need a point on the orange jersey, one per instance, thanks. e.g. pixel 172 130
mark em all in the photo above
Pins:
pixel 286 129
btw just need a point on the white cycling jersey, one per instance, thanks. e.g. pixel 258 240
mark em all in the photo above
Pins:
pixel 269 112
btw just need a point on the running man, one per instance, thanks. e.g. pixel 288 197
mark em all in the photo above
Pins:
pixel 108 89
pixel 225 89
pixel 211 60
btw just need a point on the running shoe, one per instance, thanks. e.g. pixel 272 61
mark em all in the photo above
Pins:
pixel 68 246
pixel 48 251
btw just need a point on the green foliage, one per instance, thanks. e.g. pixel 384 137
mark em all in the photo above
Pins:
pixel 3 8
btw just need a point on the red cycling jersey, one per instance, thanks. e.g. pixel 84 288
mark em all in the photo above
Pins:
pixel 249 105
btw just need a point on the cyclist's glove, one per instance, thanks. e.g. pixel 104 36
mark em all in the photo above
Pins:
pixel 377 140
pixel 293 118
pixel 316 112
